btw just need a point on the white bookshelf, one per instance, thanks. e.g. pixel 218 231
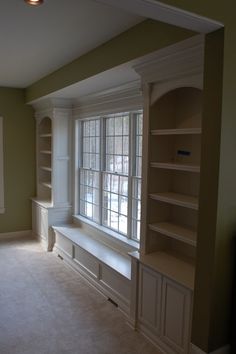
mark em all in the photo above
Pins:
pixel 52 204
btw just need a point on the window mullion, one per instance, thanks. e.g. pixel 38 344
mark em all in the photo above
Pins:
pixel 102 165
pixel 131 169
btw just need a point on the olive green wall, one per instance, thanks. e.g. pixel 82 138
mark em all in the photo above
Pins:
pixel 19 160
pixel 141 39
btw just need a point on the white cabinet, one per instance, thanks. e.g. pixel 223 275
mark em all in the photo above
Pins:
pixel 176 316
pixel 164 311
pixel 52 204
pixel 150 288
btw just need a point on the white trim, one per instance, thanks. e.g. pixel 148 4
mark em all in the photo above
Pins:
pixel 2 208
pixel 223 350
pixel 15 234
pixel 188 56
pixel 166 13
pixel 127 97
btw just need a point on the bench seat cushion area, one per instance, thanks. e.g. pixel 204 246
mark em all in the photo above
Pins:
pixel 105 268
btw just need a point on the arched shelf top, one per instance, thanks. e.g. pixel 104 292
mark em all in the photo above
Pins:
pixel 179 108
pixel 160 89
pixel 45 125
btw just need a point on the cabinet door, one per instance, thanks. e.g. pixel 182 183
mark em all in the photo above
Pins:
pixel 150 299
pixel 176 316
pixel 40 221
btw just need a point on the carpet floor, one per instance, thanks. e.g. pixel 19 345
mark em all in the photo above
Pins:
pixel 47 308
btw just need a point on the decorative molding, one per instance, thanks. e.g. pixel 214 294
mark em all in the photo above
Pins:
pixel 51 107
pixel 185 58
pixel 126 97
pixel 15 234
pixel 166 13
pixel 223 350
pixel 2 209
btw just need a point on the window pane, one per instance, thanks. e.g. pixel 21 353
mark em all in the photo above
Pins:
pixel 125 145
pixel 114 202
pixel 89 194
pixel 118 125
pixel 109 163
pixel 107 181
pixel 118 164
pixel 123 224
pixel 110 145
pixel 118 145
pixel 126 125
pixel 110 126
pixel 114 220
pixel 91 144
pixel 124 186
pixel 115 184
pixel 123 205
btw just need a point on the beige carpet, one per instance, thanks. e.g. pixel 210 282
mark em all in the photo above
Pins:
pixel 46 308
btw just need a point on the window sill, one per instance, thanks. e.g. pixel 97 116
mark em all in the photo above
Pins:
pixel 111 238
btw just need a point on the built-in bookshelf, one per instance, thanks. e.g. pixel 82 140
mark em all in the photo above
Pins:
pixel 45 159
pixel 174 175
pixel 52 204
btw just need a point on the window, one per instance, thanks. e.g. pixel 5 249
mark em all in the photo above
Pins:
pixel 1 168
pixel 110 172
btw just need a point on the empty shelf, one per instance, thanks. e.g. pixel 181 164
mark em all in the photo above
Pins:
pixel 176 166
pixel 45 151
pixel 176 199
pixel 45 135
pixel 180 131
pixel 47 184
pixel 46 168
pixel 177 232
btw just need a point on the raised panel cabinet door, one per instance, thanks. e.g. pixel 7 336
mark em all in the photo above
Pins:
pixel 176 316
pixel 150 284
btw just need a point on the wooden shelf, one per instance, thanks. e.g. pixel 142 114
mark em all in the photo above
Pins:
pixel 45 152
pixel 45 135
pixel 176 231
pixel 47 184
pixel 46 168
pixel 178 131
pixel 180 269
pixel 176 199
pixel 176 166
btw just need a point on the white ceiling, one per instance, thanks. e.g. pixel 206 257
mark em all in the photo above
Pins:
pixel 36 41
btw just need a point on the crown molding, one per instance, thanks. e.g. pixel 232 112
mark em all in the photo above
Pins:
pixel 178 60
pixel 121 98
pixel 159 11
pixel 51 107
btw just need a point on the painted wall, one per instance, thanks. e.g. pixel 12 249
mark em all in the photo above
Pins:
pixel 19 160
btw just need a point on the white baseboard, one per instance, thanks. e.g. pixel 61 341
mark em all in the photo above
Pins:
pixel 15 234
pixel 223 350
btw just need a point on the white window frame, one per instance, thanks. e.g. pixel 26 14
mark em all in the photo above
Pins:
pixel 2 208
pixel 131 176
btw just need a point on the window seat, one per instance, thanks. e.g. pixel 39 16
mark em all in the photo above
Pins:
pixel 105 268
